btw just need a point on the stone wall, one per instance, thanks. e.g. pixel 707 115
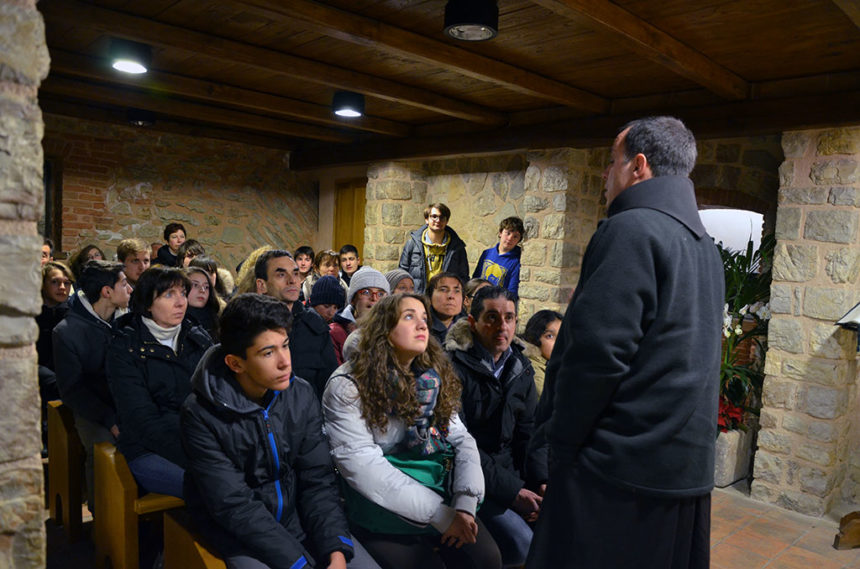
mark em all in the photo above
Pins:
pixel 556 193
pixel 809 449
pixel 23 65
pixel 128 182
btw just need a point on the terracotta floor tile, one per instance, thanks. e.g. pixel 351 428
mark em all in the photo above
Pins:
pixel 799 558
pixel 820 540
pixel 782 529
pixel 729 556
pixel 763 545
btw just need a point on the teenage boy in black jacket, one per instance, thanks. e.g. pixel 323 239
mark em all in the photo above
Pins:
pixel 260 483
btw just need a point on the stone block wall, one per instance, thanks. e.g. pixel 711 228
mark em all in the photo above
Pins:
pixel 128 182
pixel 556 193
pixel 809 445
pixel 23 65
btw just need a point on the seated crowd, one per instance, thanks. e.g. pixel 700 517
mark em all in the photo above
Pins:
pixel 312 411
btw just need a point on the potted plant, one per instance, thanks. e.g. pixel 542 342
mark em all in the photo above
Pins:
pixel 745 320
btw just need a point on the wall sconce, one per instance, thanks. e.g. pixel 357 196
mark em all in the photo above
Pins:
pixel 348 104
pixel 472 20
pixel 130 56
pixel 140 117
pixel 851 321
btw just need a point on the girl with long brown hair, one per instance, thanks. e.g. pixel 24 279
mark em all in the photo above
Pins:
pixel 412 472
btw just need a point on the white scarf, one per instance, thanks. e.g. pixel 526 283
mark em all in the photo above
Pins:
pixel 166 336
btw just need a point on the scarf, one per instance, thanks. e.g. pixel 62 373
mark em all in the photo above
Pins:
pixel 166 336
pixel 422 435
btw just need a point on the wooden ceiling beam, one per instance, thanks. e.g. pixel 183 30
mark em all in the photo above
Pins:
pixel 654 44
pixel 72 64
pixel 361 30
pixel 851 9
pixel 204 113
pixel 62 106
pixel 742 118
pixel 229 51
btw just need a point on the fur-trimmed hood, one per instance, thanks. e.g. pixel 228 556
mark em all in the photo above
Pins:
pixel 460 337
pixel 531 351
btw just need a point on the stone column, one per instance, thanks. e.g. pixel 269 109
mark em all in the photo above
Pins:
pixel 395 200
pixel 23 65
pixel 808 456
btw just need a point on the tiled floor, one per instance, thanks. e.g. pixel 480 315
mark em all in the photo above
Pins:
pixel 745 534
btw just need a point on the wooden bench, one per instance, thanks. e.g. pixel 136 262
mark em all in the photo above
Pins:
pixel 183 549
pixel 849 532
pixel 65 468
pixel 115 527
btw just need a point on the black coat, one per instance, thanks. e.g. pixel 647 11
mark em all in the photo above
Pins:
pixel 412 258
pixel 499 413
pixel 311 347
pixel 149 383
pixel 47 320
pixel 236 485
pixel 81 342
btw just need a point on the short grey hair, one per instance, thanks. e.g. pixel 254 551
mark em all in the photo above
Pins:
pixel 666 142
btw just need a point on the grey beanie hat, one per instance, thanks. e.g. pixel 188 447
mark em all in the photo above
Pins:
pixel 366 277
pixel 395 276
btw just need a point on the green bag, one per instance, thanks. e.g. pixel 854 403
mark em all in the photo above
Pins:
pixel 432 471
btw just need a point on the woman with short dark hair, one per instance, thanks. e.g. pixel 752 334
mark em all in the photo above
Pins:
pixel 155 350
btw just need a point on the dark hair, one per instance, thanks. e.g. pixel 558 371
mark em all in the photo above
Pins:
pixel 50 243
pixel 513 224
pixel 443 210
pixel 537 324
pixel 173 228
pixel 49 267
pixel 489 293
pixel 190 247
pixel 95 275
pixel 348 248
pixel 152 284
pixel 305 250
pixel 434 282
pixel 472 285
pixel 209 265
pixel 668 145
pixel 79 260
pixel 247 316
pixel 261 267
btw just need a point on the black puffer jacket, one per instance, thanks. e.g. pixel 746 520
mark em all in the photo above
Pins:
pixel 80 346
pixel 412 258
pixel 47 320
pixel 260 480
pixel 311 347
pixel 149 382
pixel 499 413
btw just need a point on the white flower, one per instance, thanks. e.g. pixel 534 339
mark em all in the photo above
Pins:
pixel 738 330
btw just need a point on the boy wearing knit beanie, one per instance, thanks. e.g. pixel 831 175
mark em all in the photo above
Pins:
pixel 327 297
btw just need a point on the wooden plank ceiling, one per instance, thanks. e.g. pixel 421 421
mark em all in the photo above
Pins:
pixel 559 73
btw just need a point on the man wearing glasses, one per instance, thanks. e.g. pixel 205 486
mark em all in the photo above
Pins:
pixel 434 248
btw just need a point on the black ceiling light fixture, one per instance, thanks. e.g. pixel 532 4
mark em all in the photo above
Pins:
pixel 130 56
pixel 472 20
pixel 348 104
pixel 140 117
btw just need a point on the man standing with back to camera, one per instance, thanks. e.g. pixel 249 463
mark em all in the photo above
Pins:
pixel 630 404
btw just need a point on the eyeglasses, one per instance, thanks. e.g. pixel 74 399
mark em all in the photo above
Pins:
pixel 435 216
pixel 373 295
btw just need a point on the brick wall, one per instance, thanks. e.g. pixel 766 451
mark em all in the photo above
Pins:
pixel 23 65
pixel 809 449
pixel 127 182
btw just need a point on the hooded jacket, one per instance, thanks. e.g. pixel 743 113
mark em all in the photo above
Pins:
pixel 149 382
pixel 498 412
pixel 81 342
pixel 412 258
pixel 260 480
pixel 310 343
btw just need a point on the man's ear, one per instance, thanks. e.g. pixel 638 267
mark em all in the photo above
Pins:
pixel 235 363
pixel 472 323
pixel 105 293
pixel 261 286
pixel 641 168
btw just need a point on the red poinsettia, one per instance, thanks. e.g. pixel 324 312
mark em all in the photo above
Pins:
pixel 729 416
